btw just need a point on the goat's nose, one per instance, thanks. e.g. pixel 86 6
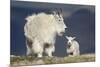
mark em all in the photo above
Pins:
pixel 66 29
pixel 68 46
pixel 69 43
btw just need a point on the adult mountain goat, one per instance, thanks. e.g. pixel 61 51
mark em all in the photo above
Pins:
pixel 41 30
pixel 72 46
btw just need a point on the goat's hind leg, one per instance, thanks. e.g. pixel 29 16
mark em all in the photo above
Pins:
pixel 29 49
pixel 29 52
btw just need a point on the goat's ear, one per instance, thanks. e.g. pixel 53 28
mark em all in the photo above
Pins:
pixel 74 37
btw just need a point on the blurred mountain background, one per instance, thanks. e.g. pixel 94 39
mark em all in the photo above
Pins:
pixel 80 20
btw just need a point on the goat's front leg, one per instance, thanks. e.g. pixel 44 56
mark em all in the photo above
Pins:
pixel 50 50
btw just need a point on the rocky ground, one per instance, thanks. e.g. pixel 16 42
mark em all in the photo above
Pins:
pixel 29 60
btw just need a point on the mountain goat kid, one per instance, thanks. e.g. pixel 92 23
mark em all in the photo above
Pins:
pixel 72 46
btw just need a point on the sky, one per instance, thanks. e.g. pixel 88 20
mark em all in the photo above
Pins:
pixel 80 20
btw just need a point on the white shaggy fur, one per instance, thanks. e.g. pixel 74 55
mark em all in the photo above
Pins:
pixel 72 46
pixel 41 30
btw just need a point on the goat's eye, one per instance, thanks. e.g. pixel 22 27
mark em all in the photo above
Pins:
pixel 59 20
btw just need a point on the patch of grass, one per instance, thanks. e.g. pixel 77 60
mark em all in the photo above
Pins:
pixel 29 60
pixel 79 59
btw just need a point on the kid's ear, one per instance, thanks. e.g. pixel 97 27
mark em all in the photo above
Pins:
pixel 74 37
pixel 66 37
